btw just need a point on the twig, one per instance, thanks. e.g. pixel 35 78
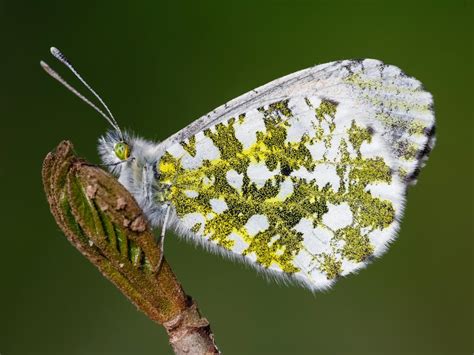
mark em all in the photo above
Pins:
pixel 104 222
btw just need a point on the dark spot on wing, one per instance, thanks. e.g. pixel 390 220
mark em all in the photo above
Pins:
pixel 286 170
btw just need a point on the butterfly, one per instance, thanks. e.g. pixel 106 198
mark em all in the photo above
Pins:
pixel 303 178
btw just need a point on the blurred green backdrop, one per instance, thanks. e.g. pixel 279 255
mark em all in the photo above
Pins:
pixel 160 65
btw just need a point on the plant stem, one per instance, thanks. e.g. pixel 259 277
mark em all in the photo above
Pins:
pixel 104 222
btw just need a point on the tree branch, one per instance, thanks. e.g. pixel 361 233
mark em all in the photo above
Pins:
pixel 104 222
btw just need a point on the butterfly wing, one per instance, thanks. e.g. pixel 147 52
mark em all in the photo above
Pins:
pixel 395 105
pixel 303 188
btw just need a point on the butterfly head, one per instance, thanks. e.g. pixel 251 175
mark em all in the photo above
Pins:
pixel 116 150
pixel 122 151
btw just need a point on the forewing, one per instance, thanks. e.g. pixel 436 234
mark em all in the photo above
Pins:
pixel 304 187
pixel 394 104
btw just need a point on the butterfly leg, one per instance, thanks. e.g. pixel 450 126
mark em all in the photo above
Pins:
pixel 162 237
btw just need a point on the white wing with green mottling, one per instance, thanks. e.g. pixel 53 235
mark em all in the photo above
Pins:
pixel 303 188
pixel 303 178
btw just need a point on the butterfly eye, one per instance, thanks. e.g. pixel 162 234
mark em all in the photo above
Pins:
pixel 122 150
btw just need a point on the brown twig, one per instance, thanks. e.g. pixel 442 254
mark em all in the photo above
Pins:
pixel 104 222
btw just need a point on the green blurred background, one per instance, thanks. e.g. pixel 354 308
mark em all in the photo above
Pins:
pixel 161 65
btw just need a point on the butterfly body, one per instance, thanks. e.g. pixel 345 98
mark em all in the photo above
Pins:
pixel 303 178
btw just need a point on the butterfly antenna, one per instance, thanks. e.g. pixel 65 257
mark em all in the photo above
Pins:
pixel 56 76
pixel 59 56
